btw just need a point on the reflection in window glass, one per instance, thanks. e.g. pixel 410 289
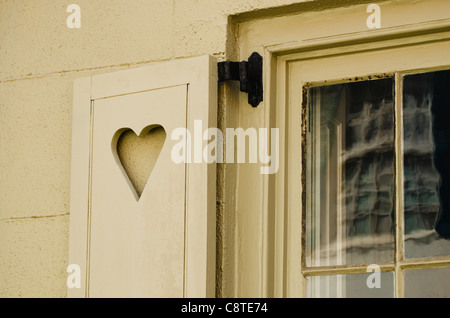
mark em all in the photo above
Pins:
pixel 351 286
pixel 426 123
pixel 350 174
pixel 427 283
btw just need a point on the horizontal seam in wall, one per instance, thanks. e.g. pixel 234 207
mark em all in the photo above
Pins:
pixel 81 70
pixel 34 217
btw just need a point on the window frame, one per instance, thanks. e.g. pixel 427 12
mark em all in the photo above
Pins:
pixel 277 250
pixel 400 263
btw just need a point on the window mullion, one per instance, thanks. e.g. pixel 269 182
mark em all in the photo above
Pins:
pixel 398 115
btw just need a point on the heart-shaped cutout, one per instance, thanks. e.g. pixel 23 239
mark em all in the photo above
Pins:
pixel 137 155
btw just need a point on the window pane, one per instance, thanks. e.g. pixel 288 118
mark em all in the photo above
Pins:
pixel 351 286
pixel 350 173
pixel 426 123
pixel 427 283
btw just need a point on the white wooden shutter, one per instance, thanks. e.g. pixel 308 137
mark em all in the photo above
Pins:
pixel 161 244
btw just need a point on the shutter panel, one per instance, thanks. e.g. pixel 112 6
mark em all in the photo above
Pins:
pixel 133 236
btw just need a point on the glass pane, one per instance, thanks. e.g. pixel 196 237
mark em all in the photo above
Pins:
pixel 427 283
pixel 351 286
pixel 350 173
pixel 426 118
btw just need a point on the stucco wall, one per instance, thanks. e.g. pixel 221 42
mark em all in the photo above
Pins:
pixel 39 58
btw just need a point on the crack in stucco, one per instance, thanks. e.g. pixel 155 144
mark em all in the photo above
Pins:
pixel 33 217
pixel 99 68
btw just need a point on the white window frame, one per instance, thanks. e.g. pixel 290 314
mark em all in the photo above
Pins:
pixel 269 209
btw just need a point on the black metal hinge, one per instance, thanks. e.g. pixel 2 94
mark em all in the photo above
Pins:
pixel 249 75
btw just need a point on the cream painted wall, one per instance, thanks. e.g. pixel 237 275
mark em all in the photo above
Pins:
pixel 39 58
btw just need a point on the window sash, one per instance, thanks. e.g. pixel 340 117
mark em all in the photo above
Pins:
pixel 400 263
